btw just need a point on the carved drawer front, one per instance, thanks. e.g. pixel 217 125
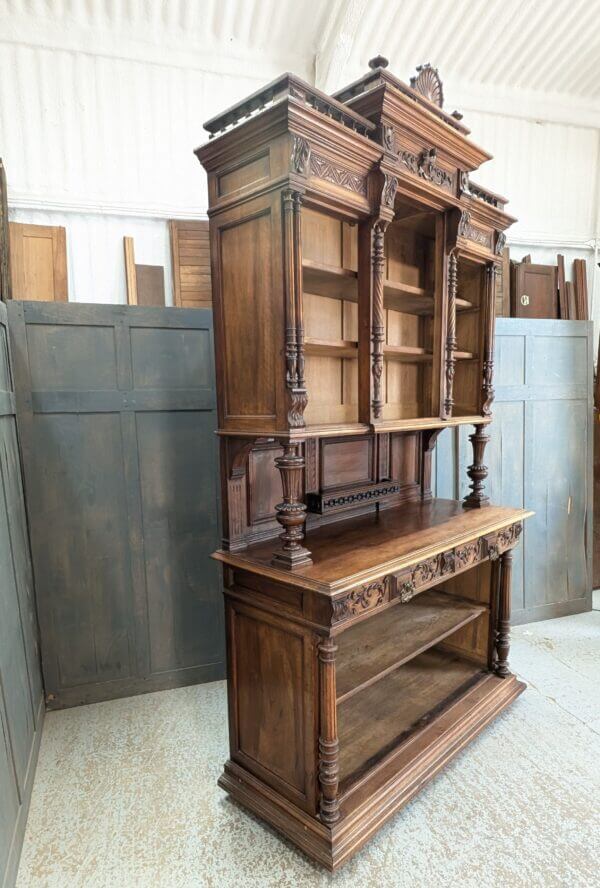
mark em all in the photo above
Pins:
pixel 409 582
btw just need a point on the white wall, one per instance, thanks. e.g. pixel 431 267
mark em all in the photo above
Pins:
pixel 97 129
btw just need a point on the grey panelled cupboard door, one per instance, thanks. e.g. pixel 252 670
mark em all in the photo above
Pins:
pixel 116 409
pixel 21 697
pixel 539 457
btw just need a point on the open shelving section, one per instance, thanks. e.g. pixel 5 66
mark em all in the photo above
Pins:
pixel 373 648
pixel 373 725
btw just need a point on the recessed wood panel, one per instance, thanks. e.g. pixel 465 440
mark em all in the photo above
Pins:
pixel 178 498
pixel 346 462
pixel 174 359
pixel 264 484
pixel 269 678
pixel 405 458
pixel 246 174
pixel 72 357
pixel 250 314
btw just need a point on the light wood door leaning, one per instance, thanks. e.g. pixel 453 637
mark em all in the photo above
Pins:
pixel 38 262
pixel 190 254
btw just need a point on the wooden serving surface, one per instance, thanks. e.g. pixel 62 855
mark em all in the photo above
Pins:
pixel 359 549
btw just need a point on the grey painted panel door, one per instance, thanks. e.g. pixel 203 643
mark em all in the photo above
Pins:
pixel 21 701
pixel 116 409
pixel 539 457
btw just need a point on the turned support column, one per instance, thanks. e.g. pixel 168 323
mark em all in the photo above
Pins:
pixel 378 324
pixel 451 342
pixel 329 806
pixel 477 471
pixel 291 513
pixel 503 624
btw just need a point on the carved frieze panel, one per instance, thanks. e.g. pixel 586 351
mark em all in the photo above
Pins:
pixel 408 583
pixel 471 232
pixel 504 540
pixel 425 165
pixel 362 599
pixel 324 169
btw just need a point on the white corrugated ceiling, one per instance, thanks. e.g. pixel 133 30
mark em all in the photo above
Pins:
pixel 549 47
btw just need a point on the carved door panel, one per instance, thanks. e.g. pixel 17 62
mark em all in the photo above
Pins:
pixel 534 293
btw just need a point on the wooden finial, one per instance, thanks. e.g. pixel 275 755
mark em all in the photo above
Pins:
pixel 378 62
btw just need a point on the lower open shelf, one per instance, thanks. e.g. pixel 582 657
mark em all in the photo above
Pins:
pixel 373 722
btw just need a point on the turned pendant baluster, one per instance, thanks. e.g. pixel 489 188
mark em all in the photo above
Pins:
pixel 291 513
pixel 477 471
pixel 378 326
pixel 503 624
pixel 451 342
pixel 329 806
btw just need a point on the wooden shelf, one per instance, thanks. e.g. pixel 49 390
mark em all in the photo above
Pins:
pixel 465 356
pixel 406 353
pixel 373 648
pixel 407 299
pixel 464 305
pixel 327 280
pixel 342 348
pixel 373 723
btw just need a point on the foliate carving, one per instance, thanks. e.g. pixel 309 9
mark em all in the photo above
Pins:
pixel 468 555
pixel 324 169
pixel 469 231
pixel 389 190
pixel 300 155
pixel 427 82
pixel 406 591
pixel 448 563
pixel 500 243
pixel 451 341
pixel 378 328
pixel 425 166
pixel 311 449
pixel 426 571
pixel 362 599
pixel 504 540
pixel 463 182
pixel 389 141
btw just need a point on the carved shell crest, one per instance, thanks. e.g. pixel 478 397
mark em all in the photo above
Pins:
pixel 428 83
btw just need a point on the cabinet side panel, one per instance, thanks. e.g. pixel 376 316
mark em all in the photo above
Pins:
pixel 251 310
pixel 269 676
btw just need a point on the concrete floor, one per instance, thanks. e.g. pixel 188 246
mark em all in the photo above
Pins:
pixel 126 797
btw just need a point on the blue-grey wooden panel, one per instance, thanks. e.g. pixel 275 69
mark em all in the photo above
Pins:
pixel 21 697
pixel 540 458
pixel 116 410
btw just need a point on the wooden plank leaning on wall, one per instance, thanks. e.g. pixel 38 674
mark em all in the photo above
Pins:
pixel 190 256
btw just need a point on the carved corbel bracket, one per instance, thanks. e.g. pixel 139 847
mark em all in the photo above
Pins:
pixel 300 155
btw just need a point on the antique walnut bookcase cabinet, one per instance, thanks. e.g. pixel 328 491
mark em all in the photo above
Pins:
pixel 353 264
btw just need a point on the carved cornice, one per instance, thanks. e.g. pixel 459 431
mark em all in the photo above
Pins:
pixel 324 169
